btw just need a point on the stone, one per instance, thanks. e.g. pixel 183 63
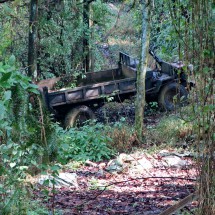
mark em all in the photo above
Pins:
pixel 174 161
pixel 144 163
pixel 114 166
pixel 64 179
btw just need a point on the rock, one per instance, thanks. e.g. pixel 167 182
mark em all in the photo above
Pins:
pixel 102 165
pixel 100 173
pixel 62 180
pixel 145 163
pixel 114 166
pixel 165 153
pixel 124 161
pixel 118 164
pixel 174 161
pixel 141 165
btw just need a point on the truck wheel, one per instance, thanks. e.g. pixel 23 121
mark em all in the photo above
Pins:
pixel 77 116
pixel 171 96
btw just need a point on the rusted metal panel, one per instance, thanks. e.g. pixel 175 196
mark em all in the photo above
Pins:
pixel 92 92
pixel 57 98
pixel 127 85
pixel 111 88
pixel 100 77
pixel 75 95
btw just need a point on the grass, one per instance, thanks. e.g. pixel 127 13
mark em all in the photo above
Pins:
pixel 170 130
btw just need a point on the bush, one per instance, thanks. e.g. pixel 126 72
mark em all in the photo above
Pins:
pixel 87 142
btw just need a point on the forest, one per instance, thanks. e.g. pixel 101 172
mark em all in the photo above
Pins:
pixel 107 107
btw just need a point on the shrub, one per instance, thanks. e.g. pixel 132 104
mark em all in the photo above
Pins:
pixel 87 142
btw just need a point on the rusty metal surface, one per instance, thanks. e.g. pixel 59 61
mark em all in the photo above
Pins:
pixel 89 92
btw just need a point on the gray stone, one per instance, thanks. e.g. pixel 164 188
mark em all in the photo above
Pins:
pixel 114 166
pixel 174 161
pixel 62 180
pixel 165 153
pixel 144 163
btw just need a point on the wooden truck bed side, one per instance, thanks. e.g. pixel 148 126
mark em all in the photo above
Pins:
pixel 90 92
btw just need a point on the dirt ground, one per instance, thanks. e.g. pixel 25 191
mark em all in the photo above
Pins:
pixel 147 188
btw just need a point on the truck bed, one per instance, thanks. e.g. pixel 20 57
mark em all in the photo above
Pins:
pixel 90 92
pixel 95 85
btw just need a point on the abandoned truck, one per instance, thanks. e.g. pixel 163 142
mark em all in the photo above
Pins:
pixel 167 84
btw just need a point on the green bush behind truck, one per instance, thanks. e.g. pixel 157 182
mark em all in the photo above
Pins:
pixel 167 85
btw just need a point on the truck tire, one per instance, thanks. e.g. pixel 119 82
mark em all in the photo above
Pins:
pixel 77 116
pixel 171 96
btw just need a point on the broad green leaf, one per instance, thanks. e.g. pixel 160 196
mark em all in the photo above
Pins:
pixel 7 95
pixel 11 60
pixel 3 111
pixel 7 9
pixel 34 86
pixel 65 146
pixel 32 90
pixel 5 77
pixel 24 85
pixel 55 168
pixel 23 167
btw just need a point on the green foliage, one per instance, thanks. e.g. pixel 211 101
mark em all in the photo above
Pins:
pixel 99 12
pixel 10 78
pixel 61 34
pixel 20 148
pixel 13 34
pixel 87 142
pixel 29 207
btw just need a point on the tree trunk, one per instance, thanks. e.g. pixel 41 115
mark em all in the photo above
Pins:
pixel 141 72
pixel 86 18
pixel 32 44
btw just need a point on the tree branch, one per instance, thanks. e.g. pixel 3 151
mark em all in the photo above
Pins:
pixel 115 24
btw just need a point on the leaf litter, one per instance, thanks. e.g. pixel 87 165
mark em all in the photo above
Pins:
pixel 147 191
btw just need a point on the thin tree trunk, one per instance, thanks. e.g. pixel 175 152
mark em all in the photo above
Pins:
pixel 86 18
pixel 141 72
pixel 32 45
pixel 92 49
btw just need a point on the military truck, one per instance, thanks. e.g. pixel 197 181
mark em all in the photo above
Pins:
pixel 167 84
